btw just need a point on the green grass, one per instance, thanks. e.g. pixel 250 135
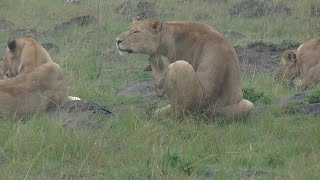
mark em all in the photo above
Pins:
pixel 142 146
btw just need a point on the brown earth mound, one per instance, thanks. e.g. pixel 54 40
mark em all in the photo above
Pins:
pixel 76 21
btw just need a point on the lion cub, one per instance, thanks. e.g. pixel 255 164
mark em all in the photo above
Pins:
pixel 31 81
pixel 204 73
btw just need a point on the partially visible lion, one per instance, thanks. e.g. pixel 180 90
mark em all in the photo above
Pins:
pixel 204 72
pixel 31 82
pixel 303 65
pixel 287 67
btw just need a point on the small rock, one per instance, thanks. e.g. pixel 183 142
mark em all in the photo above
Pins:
pixel 50 47
pixel 314 10
pixel 144 87
pixel 311 109
pixel 87 106
pixel 4 24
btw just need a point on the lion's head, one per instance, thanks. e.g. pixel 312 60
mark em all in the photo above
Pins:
pixel 287 68
pixel 22 55
pixel 143 36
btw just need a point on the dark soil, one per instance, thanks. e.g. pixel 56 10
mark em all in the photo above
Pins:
pixel 51 48
pixel 80 105
pixel 79 114
pixel 76 21
pixel 258 57
pixel 144 87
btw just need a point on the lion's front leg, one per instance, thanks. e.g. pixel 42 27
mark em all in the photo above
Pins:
pixel 183 88
pixel 311 79
pixel 157 66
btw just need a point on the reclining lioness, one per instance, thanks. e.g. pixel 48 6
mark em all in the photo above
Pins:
pixel 204 74
pixel 31 81
pixel 301 66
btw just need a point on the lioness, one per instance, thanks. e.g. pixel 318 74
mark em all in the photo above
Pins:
pixel 204 74
pixel 304 69
pixel 287 67
pixel 33 82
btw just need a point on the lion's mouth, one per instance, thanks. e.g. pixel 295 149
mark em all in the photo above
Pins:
pixel 126 50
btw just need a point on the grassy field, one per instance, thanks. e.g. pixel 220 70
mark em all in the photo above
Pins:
pixel 139 146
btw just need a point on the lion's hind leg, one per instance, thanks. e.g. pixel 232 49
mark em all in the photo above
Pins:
pixel 236 111
pixel 183 88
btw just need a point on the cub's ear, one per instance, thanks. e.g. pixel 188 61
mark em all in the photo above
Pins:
pixel 156 24
pixel 12 44
pixel 136 19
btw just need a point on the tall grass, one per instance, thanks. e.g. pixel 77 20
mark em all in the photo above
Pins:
pixel 142 146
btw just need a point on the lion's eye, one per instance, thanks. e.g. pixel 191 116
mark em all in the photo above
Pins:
pixel 134 32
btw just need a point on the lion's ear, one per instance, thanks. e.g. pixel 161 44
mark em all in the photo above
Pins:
pixel 136 19
pixel 292 56
pixel 12 44
pixel 156 24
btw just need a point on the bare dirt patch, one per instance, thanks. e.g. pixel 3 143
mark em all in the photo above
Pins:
pixel 76 22
pixel 143 87
pixel 259 57
pixel 78 114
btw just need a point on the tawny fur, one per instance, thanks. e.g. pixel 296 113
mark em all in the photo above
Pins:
pixel 305 70
pixel 287 67
pixel 33 82
pixel 204 74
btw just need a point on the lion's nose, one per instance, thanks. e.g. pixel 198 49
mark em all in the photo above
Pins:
pixel 118 41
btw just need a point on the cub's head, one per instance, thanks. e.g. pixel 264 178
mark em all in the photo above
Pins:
pixel 22 55
pixel 143 37
pixel 287 67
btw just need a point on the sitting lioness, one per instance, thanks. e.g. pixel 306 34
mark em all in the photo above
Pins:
pixel 303 65
pixel 204 74
pixel 31 81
